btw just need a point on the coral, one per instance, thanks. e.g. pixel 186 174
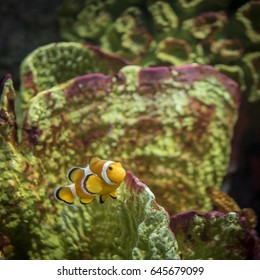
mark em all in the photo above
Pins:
pixel 248 23
pixel 132 227
pixel 6 248
pixel 174 51
pixel 214 235
pixel 164 123
pixel 34 226
pixel 205 27
pixel 192 8
pixel 175 113
pixel 19 175
pixel 224 203
pixel 251 64
pixel 55 63
pixel 7 114
pixel 173 33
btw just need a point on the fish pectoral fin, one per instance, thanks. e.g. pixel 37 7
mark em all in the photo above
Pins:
pixel 92 184
pixel 103 198
pixel 75 174
pixel 87 199
pixel 64 194
pixel 113 195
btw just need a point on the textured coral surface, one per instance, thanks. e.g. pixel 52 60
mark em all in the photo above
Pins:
pixel 132 227
pixel 170 125
pixel 34 226
pixel 164 123
pixel 173 33
pixel 214 235
pixel 20 176
pixel 55 63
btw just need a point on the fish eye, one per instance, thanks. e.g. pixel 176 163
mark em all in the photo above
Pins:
pixel 110 168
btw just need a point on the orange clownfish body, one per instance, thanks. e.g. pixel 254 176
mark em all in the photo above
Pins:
pixel 99 177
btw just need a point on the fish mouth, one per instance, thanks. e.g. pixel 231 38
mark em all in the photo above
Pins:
pixel 122 175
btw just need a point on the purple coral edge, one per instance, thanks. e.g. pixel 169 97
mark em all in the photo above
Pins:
pixel 251 242
pixel 153 76
pixel 134 183
pixel 183 217
pixel 92 82
pixel 188 74
pixel 92 76
pixel 137 187
pixel 3 81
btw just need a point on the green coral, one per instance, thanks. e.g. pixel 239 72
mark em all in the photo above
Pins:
pixel 212 235
pixel 172 33
pixel 170 125
pixel 133 227
pixel 56 63
pixel 171 132
pixel 165 19
pixel 37 227
pixel 164 123
pixel 19 176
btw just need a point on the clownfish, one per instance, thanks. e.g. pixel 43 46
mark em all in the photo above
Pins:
pixel 99 177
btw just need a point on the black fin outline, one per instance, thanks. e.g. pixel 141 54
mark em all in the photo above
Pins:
pixel 101 200
pixel 56 194
pixel 83 203
pixel 71 171
pixel 85 183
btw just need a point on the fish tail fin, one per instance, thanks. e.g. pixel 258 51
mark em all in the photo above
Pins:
pixel 75 173
pixel 65 194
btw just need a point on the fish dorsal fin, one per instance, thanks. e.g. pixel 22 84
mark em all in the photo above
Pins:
pixel 75 174
pixel 93 160
pixel 95 165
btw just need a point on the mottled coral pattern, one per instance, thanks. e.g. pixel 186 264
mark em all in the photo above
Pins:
pixel 221 33
pixel 56 63
pixel 214 235
pixel 35 226
pixel 170 125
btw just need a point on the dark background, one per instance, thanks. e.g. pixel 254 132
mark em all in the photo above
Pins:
pixel 27 24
